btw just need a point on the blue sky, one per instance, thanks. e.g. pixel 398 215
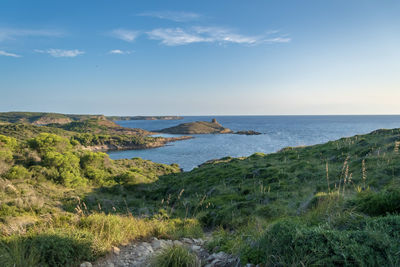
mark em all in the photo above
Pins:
pixel 200 57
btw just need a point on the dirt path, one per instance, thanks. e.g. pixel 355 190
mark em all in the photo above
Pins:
pixel 139 254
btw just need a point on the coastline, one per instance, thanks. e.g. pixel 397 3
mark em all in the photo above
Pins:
pixel 161 141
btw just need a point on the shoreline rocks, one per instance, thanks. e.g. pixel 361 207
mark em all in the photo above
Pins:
pixel 162 141
pixel 249 132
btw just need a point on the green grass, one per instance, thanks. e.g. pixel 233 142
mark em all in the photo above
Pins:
pixel 176 256
pixel 329 204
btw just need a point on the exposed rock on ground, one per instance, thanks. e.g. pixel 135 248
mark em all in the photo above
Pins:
pixel 139 254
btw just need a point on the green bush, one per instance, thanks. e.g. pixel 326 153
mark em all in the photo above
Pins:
pixel 46 142
pixel 18 172
pixel 67 166
pixel 7 146
pixel 176 256
pixel 379 203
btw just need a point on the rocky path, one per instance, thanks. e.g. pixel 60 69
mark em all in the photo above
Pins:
pixel 139 254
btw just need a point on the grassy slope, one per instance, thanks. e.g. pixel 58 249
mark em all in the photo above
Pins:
pixel 279 208
pixel 43 220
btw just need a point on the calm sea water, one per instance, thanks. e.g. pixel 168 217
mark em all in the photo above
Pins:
pixel 278 132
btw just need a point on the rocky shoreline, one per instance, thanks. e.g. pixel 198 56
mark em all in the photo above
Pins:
pixel 160 142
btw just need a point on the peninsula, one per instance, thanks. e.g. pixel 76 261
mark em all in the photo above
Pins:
pixel 203 127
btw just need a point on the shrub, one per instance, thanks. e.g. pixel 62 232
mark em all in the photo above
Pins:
pixel 67 166
pixel 46 142
pixel 18 172
pixel 379 203
pixel 176 256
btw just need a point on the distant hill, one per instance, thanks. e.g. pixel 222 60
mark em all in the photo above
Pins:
pixel 147 118
pixel 197 127
pixel 43 118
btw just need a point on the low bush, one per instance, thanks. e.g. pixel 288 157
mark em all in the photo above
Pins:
pixel 379 203
pixel 289 242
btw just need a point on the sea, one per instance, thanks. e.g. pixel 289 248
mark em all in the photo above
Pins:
pixel 277 132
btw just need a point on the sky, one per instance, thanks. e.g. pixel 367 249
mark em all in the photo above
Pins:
pixel 225 57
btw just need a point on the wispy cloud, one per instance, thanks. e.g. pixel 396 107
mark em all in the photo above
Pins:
pixel 175 36
pixel 13 33
pixel 172 15
pixel 61 52
pixel 125 35
pixel 7 54
pixel 179 36
pixel 120 52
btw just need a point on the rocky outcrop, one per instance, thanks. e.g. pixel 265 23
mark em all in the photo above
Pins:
pixel 49 120
pixel 249 132
pixel 197 127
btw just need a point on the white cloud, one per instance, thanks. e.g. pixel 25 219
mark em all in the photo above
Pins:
pixel 172 15
pixel 217 34
pixel 61 52
pixel 175 36
pixel 6 54
pixel 179 36
pixel 278 40
pixel 119 52
pixel 125 35
pixel 11 33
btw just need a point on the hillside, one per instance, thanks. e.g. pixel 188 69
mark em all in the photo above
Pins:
pixel 328 204
pixel 95 134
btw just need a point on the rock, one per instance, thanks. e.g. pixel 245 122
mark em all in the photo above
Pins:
pixel 195 247
pixel 187 240
pixel 115 250
pixel 249 132
pixel 86 264
pixel 177 243
pixel 220 256
pixel 198 241
pixel 169 242
pixel 158 244
pixel 147 247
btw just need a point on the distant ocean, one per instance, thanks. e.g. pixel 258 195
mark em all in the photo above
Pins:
pixel 278 132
